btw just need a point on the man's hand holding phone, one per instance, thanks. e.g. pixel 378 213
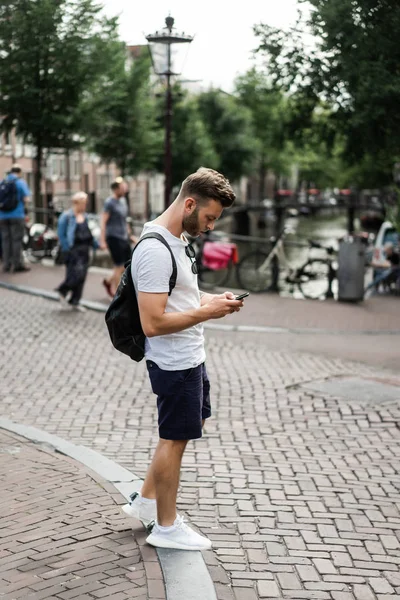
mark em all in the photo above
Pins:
pixel 223 304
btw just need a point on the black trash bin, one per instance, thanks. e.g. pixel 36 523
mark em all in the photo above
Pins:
pixel 351 269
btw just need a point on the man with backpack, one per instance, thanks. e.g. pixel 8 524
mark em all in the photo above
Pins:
pixel 14 194
pixel 172 312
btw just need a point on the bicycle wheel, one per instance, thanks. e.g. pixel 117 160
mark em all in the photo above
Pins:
pixel 30 256
pixel 252 277
pixel 210 278
pixel 314 278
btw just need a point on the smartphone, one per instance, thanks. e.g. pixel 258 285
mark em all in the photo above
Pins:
pixel 242 296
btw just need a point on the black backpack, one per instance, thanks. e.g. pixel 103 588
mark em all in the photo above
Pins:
pixel 8 195
pixel 122 316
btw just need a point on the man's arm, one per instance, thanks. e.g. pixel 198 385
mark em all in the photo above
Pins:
pixel 381 265
pixel 131 236
pixel 103 221
pixel 62 232
pixel 25 191
pixel 155 321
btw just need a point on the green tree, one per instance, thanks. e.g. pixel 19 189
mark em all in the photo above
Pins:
pixel 229 125
pixel 122 116
pixel 269 112
pixel 51 52
pixel 351 60
pixel 191 145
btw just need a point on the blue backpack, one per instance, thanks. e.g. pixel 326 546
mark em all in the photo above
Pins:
pixel 8 196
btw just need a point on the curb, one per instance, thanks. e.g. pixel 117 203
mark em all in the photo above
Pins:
pixel 99 307
pixel 181 570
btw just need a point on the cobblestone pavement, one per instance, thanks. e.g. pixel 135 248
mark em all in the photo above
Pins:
pixel 299 490
pixel 61 532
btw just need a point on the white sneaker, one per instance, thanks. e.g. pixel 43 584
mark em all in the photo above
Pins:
pixel 63 302
pixel 180 537
pixel 146 512
pixel 77 308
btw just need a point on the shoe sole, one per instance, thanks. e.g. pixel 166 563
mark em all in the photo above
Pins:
pixel 127 509
pixel 173 545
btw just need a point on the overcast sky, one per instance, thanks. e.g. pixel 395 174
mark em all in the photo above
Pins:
pixel 223 33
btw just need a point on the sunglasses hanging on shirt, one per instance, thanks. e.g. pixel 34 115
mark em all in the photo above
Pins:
pixel 192 255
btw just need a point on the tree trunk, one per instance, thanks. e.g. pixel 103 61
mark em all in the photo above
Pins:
pixel 68 172
pixel 37 181
pixel 263 172
pixel 261 223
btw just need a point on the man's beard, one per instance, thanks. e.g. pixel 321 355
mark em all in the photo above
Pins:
pixel 191 224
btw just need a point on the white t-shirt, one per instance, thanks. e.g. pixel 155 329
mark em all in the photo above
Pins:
pixel 151 271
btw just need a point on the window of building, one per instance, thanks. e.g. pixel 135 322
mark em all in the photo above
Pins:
pixel 30 180
pixel 76 168
pixel 54 168
pixel 62 167
pixel 19 146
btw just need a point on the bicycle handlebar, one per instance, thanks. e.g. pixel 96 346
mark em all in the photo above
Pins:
pixel 317 245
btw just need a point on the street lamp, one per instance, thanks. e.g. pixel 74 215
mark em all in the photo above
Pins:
pixel 166 59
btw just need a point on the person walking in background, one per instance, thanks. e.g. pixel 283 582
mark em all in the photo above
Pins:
pixel 389 270
pixel 75 240
pixel 174 347
pixel 14 195
pixel 115 234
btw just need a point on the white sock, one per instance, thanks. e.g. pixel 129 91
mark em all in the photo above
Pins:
pixel 168 528
pixel 146 500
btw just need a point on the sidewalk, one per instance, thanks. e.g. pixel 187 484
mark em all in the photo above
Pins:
pixel 62 534
pixel 376 314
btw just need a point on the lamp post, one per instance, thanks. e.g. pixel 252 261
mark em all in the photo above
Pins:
pixel 164 64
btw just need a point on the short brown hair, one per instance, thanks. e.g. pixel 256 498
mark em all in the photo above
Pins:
pixel 207 184
pixel 16 168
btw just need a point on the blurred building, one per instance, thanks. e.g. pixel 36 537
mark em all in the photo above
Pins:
pixel 63 175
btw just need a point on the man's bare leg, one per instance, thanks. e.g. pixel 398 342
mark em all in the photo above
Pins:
pixel 115 278
pixel 162 479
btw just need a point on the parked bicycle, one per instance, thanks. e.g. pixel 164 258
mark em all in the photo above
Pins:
pixel 215 260
pixel 260 271
pixel 39 241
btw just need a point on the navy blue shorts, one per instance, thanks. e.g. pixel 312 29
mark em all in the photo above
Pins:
pixel 183 401
pixel 120 250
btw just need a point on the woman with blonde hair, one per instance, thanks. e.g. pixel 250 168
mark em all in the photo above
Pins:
pixel 75 240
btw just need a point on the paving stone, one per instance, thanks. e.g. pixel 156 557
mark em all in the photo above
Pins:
pixel 268 589
pixel 380 585
pixel 363 592
pixel 289 581
pixel 307 573
pixel 245 594
pixel 324 566
pixel 274 549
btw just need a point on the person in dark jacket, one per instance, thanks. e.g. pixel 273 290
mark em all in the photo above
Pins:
pixel 75 240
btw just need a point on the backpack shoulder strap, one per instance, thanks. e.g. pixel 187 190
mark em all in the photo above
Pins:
pixel 158 236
